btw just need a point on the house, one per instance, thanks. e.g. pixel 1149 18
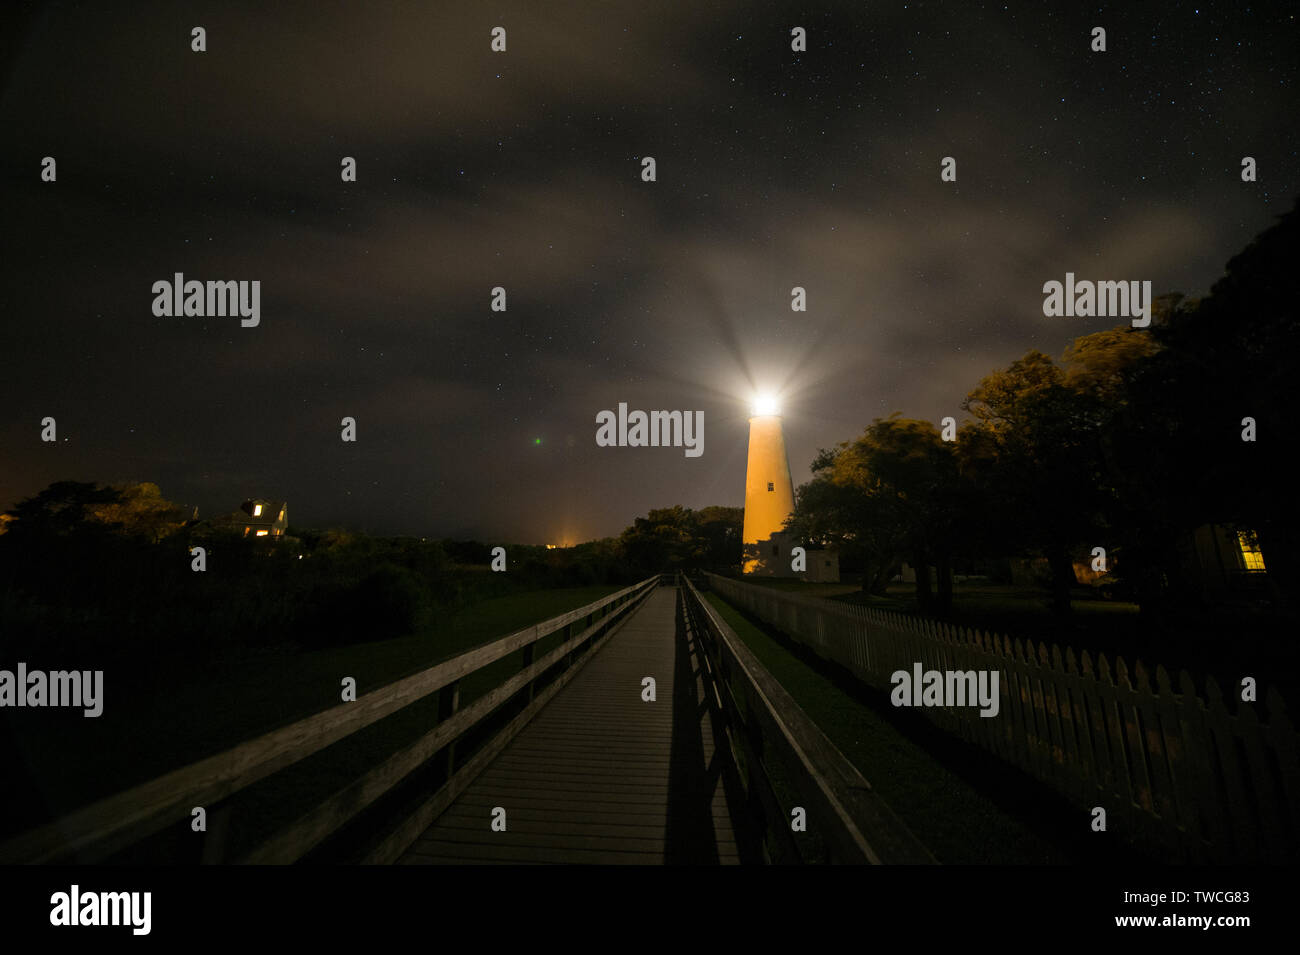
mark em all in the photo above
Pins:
pixel 1224 561
pixel 263 518
pixel 773 557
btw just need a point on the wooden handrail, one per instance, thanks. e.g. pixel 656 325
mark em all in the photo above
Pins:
pixel 127 817
pixel 854 821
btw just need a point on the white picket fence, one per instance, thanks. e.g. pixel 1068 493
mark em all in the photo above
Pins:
pixel 1165 764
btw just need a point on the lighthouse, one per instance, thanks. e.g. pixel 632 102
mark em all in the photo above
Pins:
pixel 769 492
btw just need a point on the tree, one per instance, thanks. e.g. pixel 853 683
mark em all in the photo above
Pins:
pixel 1102 364
pixel 1253 317
pixel 720 530
pixel 140 510
pixel 1222 360
pixel 678 538
pixel 835 510
pixel 1034 451
pixel 893 492
pixel 663 540
pixel 1152 462
pixel 62 508
pixel 78 543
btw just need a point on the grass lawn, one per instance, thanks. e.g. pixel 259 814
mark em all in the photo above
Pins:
pixel 961 803
pixel 807 588
pixel 148 729
pixel 975 604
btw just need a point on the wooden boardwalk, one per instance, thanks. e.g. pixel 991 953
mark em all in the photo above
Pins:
pixel 600 776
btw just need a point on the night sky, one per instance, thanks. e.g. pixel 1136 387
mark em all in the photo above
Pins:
pixel 522 169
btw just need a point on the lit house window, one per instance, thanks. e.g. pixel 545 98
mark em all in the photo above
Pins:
pixel 261 533
pixel 1250 553
pixel 257 510
pixel 281 517
pixel 771 486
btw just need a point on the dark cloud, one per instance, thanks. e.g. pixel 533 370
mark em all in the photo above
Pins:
pixel 521 170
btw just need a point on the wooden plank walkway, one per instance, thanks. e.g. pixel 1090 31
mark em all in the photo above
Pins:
pixel 599 776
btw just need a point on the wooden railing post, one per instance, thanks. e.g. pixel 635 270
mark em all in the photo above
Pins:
pixel 530 654
pixel 217 837
pixel 448 704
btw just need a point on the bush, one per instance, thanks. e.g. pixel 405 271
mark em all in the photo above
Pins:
pixel 389 602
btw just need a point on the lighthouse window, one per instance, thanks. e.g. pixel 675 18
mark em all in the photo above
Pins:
pixel 770 486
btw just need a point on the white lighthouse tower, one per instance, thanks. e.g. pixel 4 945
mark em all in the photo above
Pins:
pixel 769 492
